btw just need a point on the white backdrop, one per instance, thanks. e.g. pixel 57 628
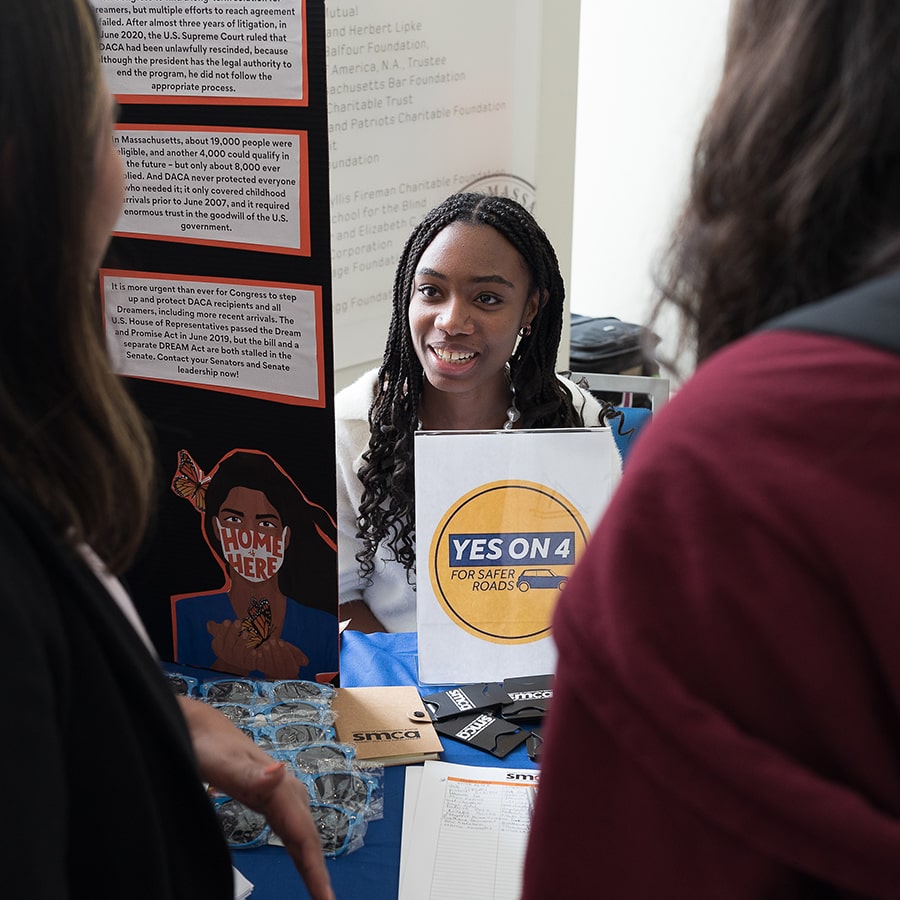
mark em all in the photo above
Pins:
pixel 647 73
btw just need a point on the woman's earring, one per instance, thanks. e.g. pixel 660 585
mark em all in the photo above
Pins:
pixel 525 330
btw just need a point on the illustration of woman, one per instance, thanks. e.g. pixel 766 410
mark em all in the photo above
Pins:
pixel 273 545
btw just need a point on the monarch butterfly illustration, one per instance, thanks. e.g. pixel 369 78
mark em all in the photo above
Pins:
pixel 257 624
pixel 189 482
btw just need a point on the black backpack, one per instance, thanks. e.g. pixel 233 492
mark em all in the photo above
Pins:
pixel 608 344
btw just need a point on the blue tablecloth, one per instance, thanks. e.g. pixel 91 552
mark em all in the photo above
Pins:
pixel 373 871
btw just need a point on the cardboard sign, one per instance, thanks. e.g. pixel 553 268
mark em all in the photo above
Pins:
pixel 497 539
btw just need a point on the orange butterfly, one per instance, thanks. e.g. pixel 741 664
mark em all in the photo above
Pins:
pixel 189 482
pixel 257 623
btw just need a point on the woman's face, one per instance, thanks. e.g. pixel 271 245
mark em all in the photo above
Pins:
pixel 469 299
pixel 253 537
pixel 108 189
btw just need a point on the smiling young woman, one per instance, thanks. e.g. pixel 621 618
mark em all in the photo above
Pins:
pixel 472 344
pixel 472 295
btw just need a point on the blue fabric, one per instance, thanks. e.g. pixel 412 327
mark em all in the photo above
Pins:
pixel 379 659
pixel 635 418
pixel 312 630
pixel 373 871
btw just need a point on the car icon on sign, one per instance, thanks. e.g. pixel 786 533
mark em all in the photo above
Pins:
pixel 540 579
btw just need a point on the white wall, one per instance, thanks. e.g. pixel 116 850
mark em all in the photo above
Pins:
pixel 647 73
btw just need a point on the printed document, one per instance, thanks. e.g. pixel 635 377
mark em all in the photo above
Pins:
pixel 465 831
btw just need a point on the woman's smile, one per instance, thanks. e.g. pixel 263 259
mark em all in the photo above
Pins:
pixel 451 356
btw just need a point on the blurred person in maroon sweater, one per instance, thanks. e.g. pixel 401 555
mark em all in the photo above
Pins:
pixel 726 718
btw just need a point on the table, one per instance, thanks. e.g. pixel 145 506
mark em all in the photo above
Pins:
pixel 373 871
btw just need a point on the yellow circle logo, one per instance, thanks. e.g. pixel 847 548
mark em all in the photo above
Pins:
pixel 500 556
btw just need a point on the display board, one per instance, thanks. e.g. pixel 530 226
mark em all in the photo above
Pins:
pixel 216 295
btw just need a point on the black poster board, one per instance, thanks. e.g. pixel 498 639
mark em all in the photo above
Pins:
pixel 217 297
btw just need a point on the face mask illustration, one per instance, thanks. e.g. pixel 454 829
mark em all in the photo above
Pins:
pixel 254 555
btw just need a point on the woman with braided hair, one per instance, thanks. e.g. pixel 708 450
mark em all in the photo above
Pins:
pixel 476 323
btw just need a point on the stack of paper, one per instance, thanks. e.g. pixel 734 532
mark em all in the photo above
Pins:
pixel 465 830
